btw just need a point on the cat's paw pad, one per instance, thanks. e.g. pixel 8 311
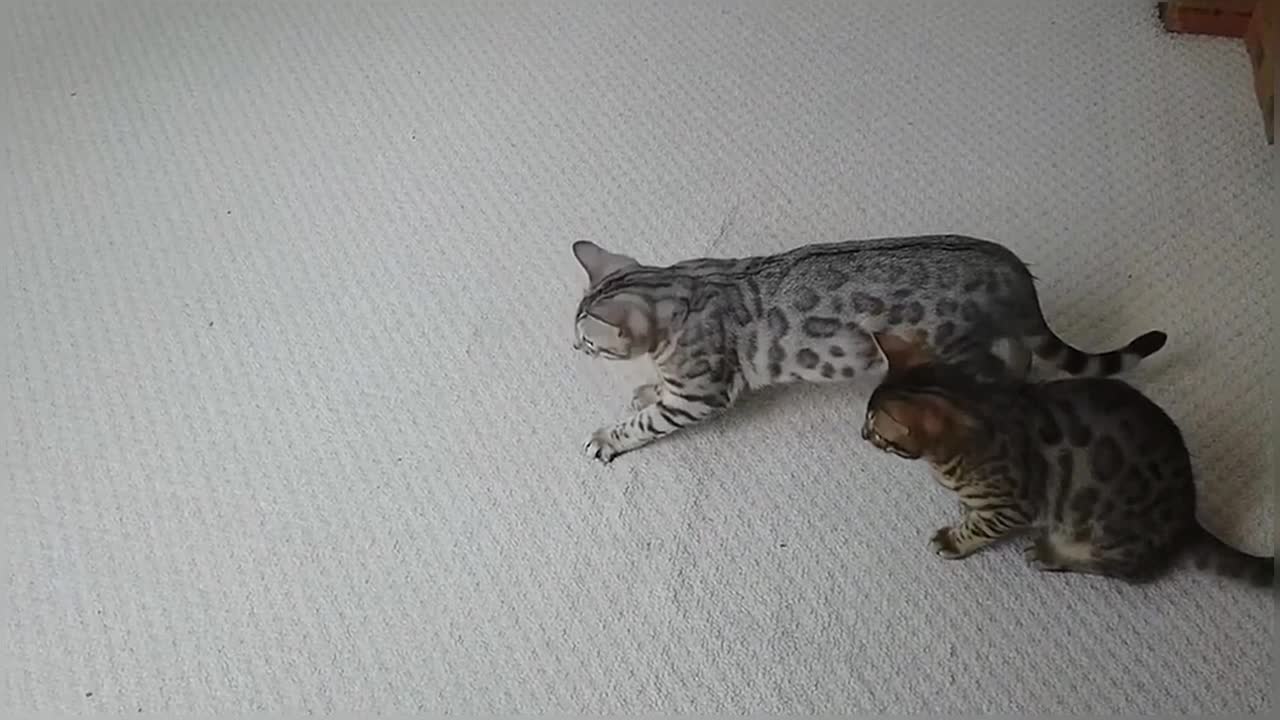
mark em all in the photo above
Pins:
pixel 644 396
pixel 944 545
pixel 601 446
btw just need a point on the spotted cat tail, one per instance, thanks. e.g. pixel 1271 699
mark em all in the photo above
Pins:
pixel 1053 349
pixel 1208 552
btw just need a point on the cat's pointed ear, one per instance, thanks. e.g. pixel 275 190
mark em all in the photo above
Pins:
pixel 901 354
pixel 599 262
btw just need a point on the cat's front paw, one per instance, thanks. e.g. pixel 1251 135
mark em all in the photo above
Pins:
pixel 644 396
pixel 601 446
pixel 943 544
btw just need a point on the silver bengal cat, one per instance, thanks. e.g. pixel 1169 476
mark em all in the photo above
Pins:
pixel 715 327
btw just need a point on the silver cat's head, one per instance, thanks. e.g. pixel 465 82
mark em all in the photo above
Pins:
pixel 614 320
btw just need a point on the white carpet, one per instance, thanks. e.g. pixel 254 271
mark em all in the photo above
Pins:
pixel 294 422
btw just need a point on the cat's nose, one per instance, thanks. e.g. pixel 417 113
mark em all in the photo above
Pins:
pixel 866 433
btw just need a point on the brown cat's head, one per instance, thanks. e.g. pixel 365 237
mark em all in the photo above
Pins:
pixel 920 410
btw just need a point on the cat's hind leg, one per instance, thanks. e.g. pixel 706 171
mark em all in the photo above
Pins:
pixel 1056 552
pixel 1041 556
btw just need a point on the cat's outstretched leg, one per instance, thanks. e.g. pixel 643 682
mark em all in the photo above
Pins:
pixel 673 408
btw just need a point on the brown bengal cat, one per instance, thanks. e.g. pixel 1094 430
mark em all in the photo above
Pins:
pixel 1095 471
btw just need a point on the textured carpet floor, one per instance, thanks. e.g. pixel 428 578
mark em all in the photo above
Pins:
pixel 294 422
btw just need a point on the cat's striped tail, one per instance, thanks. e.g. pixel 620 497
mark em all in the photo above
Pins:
pixel 1208 552
pixel 1051 348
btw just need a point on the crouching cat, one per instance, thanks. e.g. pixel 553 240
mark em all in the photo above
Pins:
pixel 715 327
pixel 1096 472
